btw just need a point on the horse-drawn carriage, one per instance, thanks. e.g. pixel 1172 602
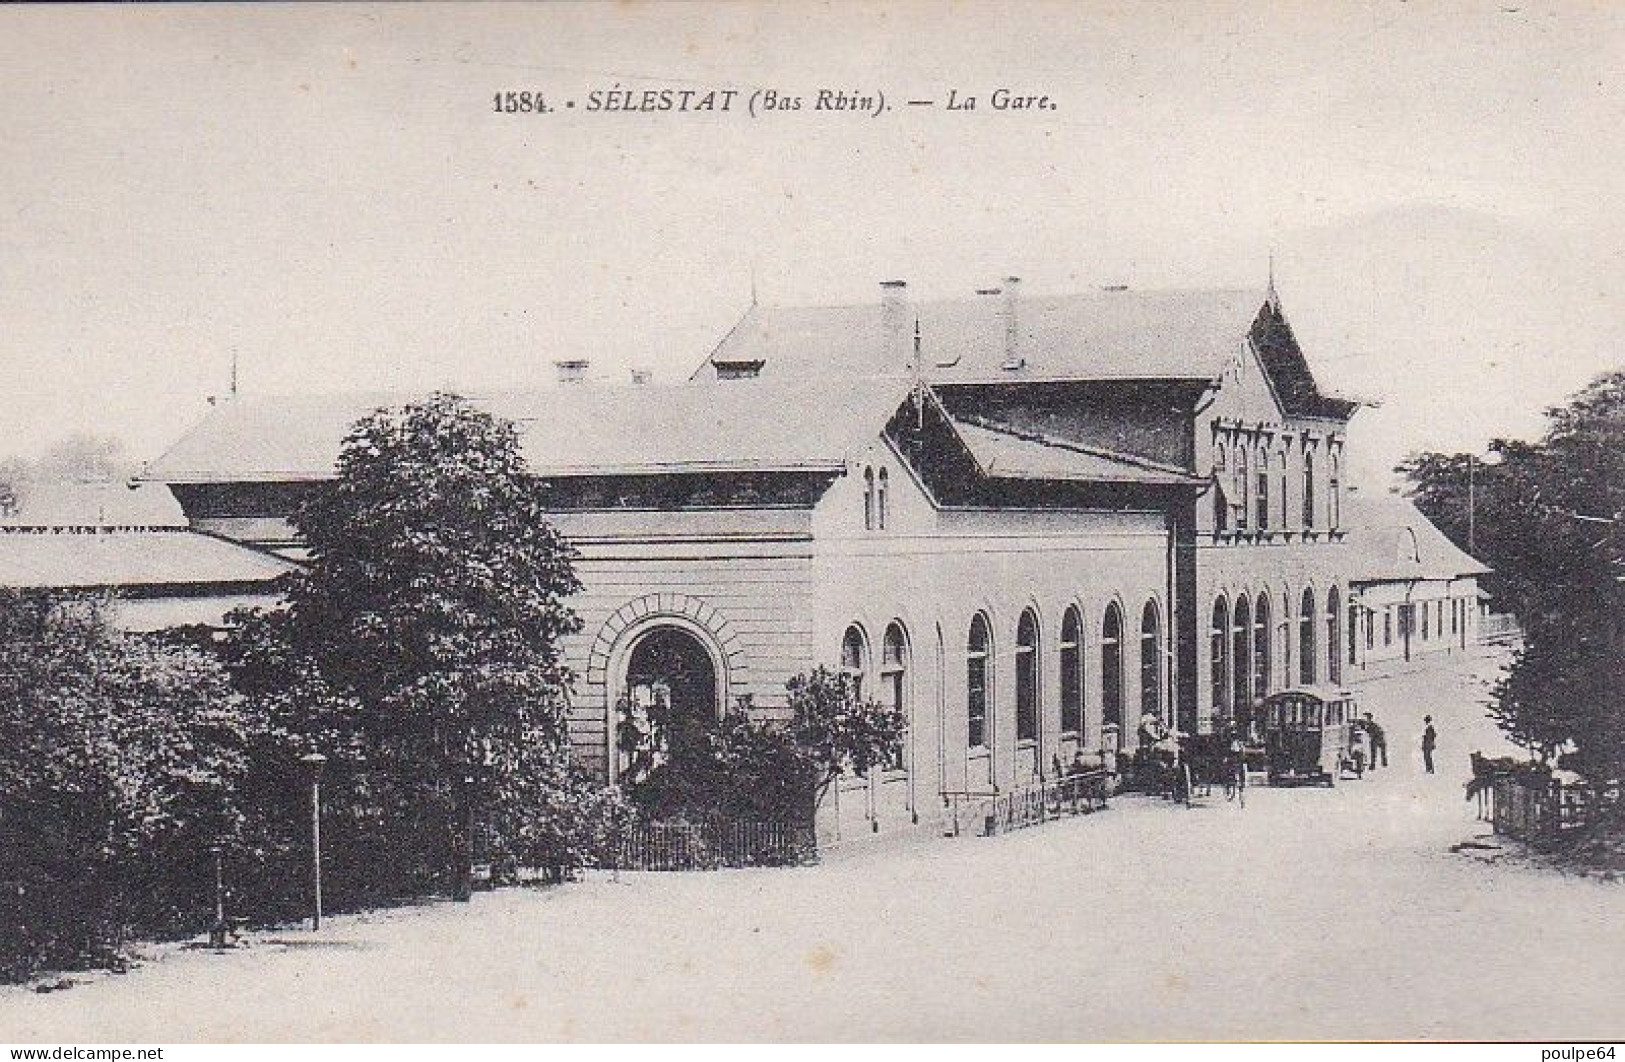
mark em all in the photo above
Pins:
pixel 1182 766
pixel 1309 737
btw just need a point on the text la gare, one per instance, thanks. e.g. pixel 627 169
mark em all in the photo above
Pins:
pixel 1001 99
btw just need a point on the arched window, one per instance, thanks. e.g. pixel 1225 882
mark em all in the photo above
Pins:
pixel 1151 660
pixel 1261 489
pixel 1308 487
pixel 1242 653
pixel 1072 673
pixel 1262 675
pixel 1306 639
pixel 1241 488
pixel 1334 495
pixel 880 500
pixel 1027 677
pixel 894 676
pixel 1218 642
pixel 868 499
pixel 1221 490
pixel 1405 547
pixel 855 656
pixel 978 663
pixel 1334 644
pixel 1111 666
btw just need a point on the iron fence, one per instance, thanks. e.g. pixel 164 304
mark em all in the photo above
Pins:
pixel 1029 805
pixel 713 845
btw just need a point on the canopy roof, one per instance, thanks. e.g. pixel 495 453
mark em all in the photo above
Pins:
pixel 110 560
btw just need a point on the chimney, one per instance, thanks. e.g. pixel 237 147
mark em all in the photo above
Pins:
pixel 894 326
pixel 572 370
pixel 1012 331
pixel 641 376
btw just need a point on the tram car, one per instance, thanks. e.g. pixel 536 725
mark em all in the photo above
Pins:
pixel 1308 737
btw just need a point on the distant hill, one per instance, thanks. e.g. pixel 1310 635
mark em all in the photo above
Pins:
pixel 1464 325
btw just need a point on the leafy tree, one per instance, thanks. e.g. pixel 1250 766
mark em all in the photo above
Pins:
pixel 1549 521
pixel 119 762
pixel 86 457
pixel 428 623
pixel 839 730
pixel 81 457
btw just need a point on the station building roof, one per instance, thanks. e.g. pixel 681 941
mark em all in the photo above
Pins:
pixel 1393 541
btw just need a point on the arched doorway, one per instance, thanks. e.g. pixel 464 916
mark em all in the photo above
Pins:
pixel 669 694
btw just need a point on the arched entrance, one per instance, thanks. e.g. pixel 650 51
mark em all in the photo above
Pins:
pixel 669 693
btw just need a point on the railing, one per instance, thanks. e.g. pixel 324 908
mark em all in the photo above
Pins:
pixel 1029 805
pixel 1498 627
pixel 1541 809
pixel 713 845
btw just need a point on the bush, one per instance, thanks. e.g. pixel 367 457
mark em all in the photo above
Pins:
pixel 737 768
pixel 707 770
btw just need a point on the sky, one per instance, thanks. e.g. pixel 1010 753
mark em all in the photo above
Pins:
pixel 327 194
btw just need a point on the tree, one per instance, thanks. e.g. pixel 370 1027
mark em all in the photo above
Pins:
pixel 432 607
pixel 77 458
pixel 119 763
pixel 839 730
pixel 1549 521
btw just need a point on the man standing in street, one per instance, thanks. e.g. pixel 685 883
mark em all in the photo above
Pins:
pixel 1379 741
pixel 1430 738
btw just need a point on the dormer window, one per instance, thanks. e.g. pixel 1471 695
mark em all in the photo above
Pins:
pixel 739 369
pixel 1406 547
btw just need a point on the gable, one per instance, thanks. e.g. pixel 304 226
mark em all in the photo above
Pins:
pixel 1294 384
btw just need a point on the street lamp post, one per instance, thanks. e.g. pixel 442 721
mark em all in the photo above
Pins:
pixel 219 934
pixel 315 761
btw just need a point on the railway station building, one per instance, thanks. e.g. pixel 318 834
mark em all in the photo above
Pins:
pixel 1024 522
